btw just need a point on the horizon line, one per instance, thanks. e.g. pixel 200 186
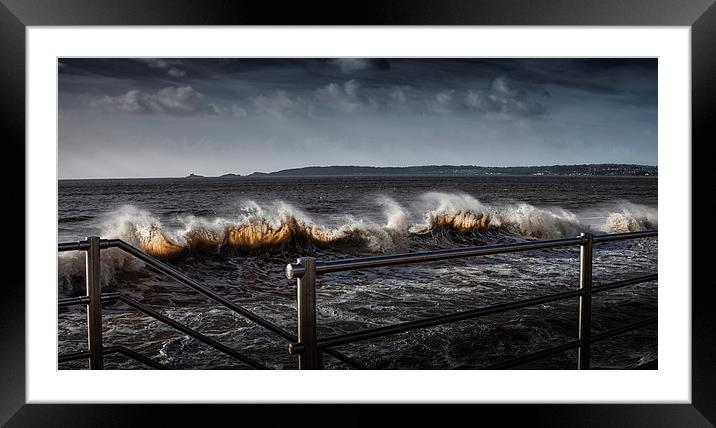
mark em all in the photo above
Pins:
pixel 352 166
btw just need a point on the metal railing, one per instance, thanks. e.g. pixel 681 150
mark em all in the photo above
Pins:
pixel 94 299
pixel 305 344
pixel 309 348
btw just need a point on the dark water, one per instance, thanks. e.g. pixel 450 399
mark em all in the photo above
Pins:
pixel 236 236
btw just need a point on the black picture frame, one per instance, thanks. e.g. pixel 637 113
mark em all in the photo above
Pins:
pixel 16 15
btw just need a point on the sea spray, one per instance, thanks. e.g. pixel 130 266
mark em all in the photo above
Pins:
pixel 629 217
pixel 256 228
pixel 72 265
pixel 544 223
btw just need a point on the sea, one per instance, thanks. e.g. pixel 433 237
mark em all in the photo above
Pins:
pixel 236 235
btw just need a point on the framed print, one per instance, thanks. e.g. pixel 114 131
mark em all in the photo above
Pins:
pixel 422 199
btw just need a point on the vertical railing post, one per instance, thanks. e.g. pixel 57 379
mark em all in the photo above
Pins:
pixel 308 358
pixel 94 307
pixel 585 301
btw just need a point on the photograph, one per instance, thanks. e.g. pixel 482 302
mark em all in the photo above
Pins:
pixel 380 213
pixel 419 207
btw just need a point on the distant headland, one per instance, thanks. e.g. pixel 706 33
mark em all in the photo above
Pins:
pixel 607 169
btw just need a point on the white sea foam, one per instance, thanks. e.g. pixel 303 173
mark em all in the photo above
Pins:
pixel 256 227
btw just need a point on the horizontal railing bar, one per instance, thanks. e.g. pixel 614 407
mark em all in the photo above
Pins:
pixel 109 297
pixel 73 356
pixel 295 270
pixel 534 356
pixel 442 319
pixel 624 283
pixel 345 358
pixel 190 332
pixel 624 329
pixel 71 301
pixel 569 345
pixel 653 364
pixel 623 236
pixel 130 353
pixel 79 300
pixel 83 300
pixel 73 246
pixel 84 245
pixel 112 350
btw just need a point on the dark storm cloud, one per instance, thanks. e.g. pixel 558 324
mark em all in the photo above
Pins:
pixel 630 81
pixel 492 111
pixel 590 74
pixel 500 95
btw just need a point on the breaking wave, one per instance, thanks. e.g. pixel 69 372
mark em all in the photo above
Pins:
pixel 436 219
pixel 465 214
pixel 280 225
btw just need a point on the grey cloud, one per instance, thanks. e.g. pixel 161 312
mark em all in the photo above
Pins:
pixel 175 72
pixel 507 96
pixel 349 96
pixel 280 103
pixel 162 64
pixel 345 97
pixel 342 97
pixel 445 101
pixel 238 112
pixel 352 65
pixel 183 100
pixel 352 96
pixel 398 95
pixel 503 96
pixel 155 62
pixel 480 101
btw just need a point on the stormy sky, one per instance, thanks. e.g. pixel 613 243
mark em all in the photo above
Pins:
pixel 166 117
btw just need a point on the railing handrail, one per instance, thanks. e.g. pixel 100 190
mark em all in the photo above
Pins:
pixel 180 277
pixel 306 269
pixel 295 270
pixel 176 274
pixel 309 347
pixel 115 349
pixel 376 332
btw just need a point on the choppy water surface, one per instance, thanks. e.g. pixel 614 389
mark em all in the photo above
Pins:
pixel 236 236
